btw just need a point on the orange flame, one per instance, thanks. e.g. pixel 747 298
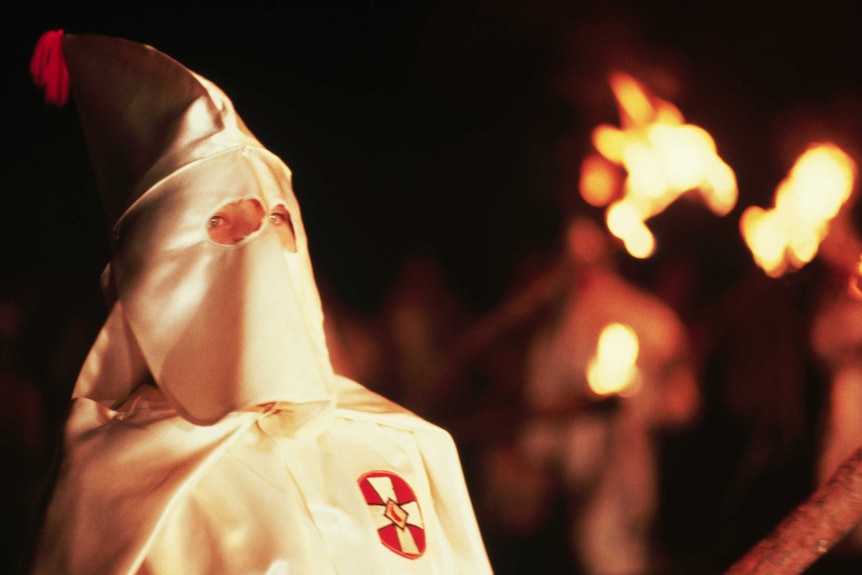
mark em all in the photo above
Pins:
pixel 788 236
pixel 613 370
pixel 662 157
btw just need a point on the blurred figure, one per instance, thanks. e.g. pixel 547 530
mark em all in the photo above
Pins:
pixel 597 444
pixel 421 316
pixel 397 349
pixel 356 342
pixel 836 340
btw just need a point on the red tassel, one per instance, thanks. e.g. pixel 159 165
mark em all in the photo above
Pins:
pixel 48 68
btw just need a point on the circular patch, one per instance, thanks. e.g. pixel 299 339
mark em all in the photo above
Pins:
pixel 396 512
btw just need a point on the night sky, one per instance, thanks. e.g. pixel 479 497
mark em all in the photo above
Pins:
pixel 450 128
pixel 453 130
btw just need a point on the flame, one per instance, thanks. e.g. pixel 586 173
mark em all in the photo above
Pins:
pixel 662 158
pixel 599 180
pixel 614 367
pixel 788 235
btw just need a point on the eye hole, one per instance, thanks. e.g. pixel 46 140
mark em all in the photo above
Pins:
pixel 232 223
pixel 279 217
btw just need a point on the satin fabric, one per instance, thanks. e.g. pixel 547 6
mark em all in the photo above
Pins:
pixel 144 115
pixel 222 327
pixel 208 433
pixel 218 327
pixel 145 491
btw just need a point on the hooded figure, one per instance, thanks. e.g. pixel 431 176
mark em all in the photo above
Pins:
pixel 207 431
pixel 597 443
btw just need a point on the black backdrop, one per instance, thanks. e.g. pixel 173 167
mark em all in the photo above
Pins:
pixel 447 128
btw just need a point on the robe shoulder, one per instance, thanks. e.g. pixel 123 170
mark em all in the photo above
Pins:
pixel 355 401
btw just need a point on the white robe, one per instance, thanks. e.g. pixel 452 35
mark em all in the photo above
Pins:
pixel 141 490
pixel 208 433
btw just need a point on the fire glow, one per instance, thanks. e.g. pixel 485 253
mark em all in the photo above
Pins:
pixel 661 158
pixel 613 370
pixel 788 236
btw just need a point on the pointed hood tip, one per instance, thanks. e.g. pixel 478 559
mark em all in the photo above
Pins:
pixel 144 114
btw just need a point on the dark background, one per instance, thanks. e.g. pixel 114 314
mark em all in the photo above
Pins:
pixel 455 130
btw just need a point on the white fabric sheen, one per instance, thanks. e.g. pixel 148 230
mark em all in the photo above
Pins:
pixel 198 138
pixel 270 483
pixel 114 367
pixel 150 493
pixel 208 434
pixel 221 327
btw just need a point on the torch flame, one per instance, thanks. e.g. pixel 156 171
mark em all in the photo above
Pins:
pixel 788 236
pixel 614 367
pixel 662 157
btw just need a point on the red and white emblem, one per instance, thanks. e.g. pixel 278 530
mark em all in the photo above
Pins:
pixel 396 512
